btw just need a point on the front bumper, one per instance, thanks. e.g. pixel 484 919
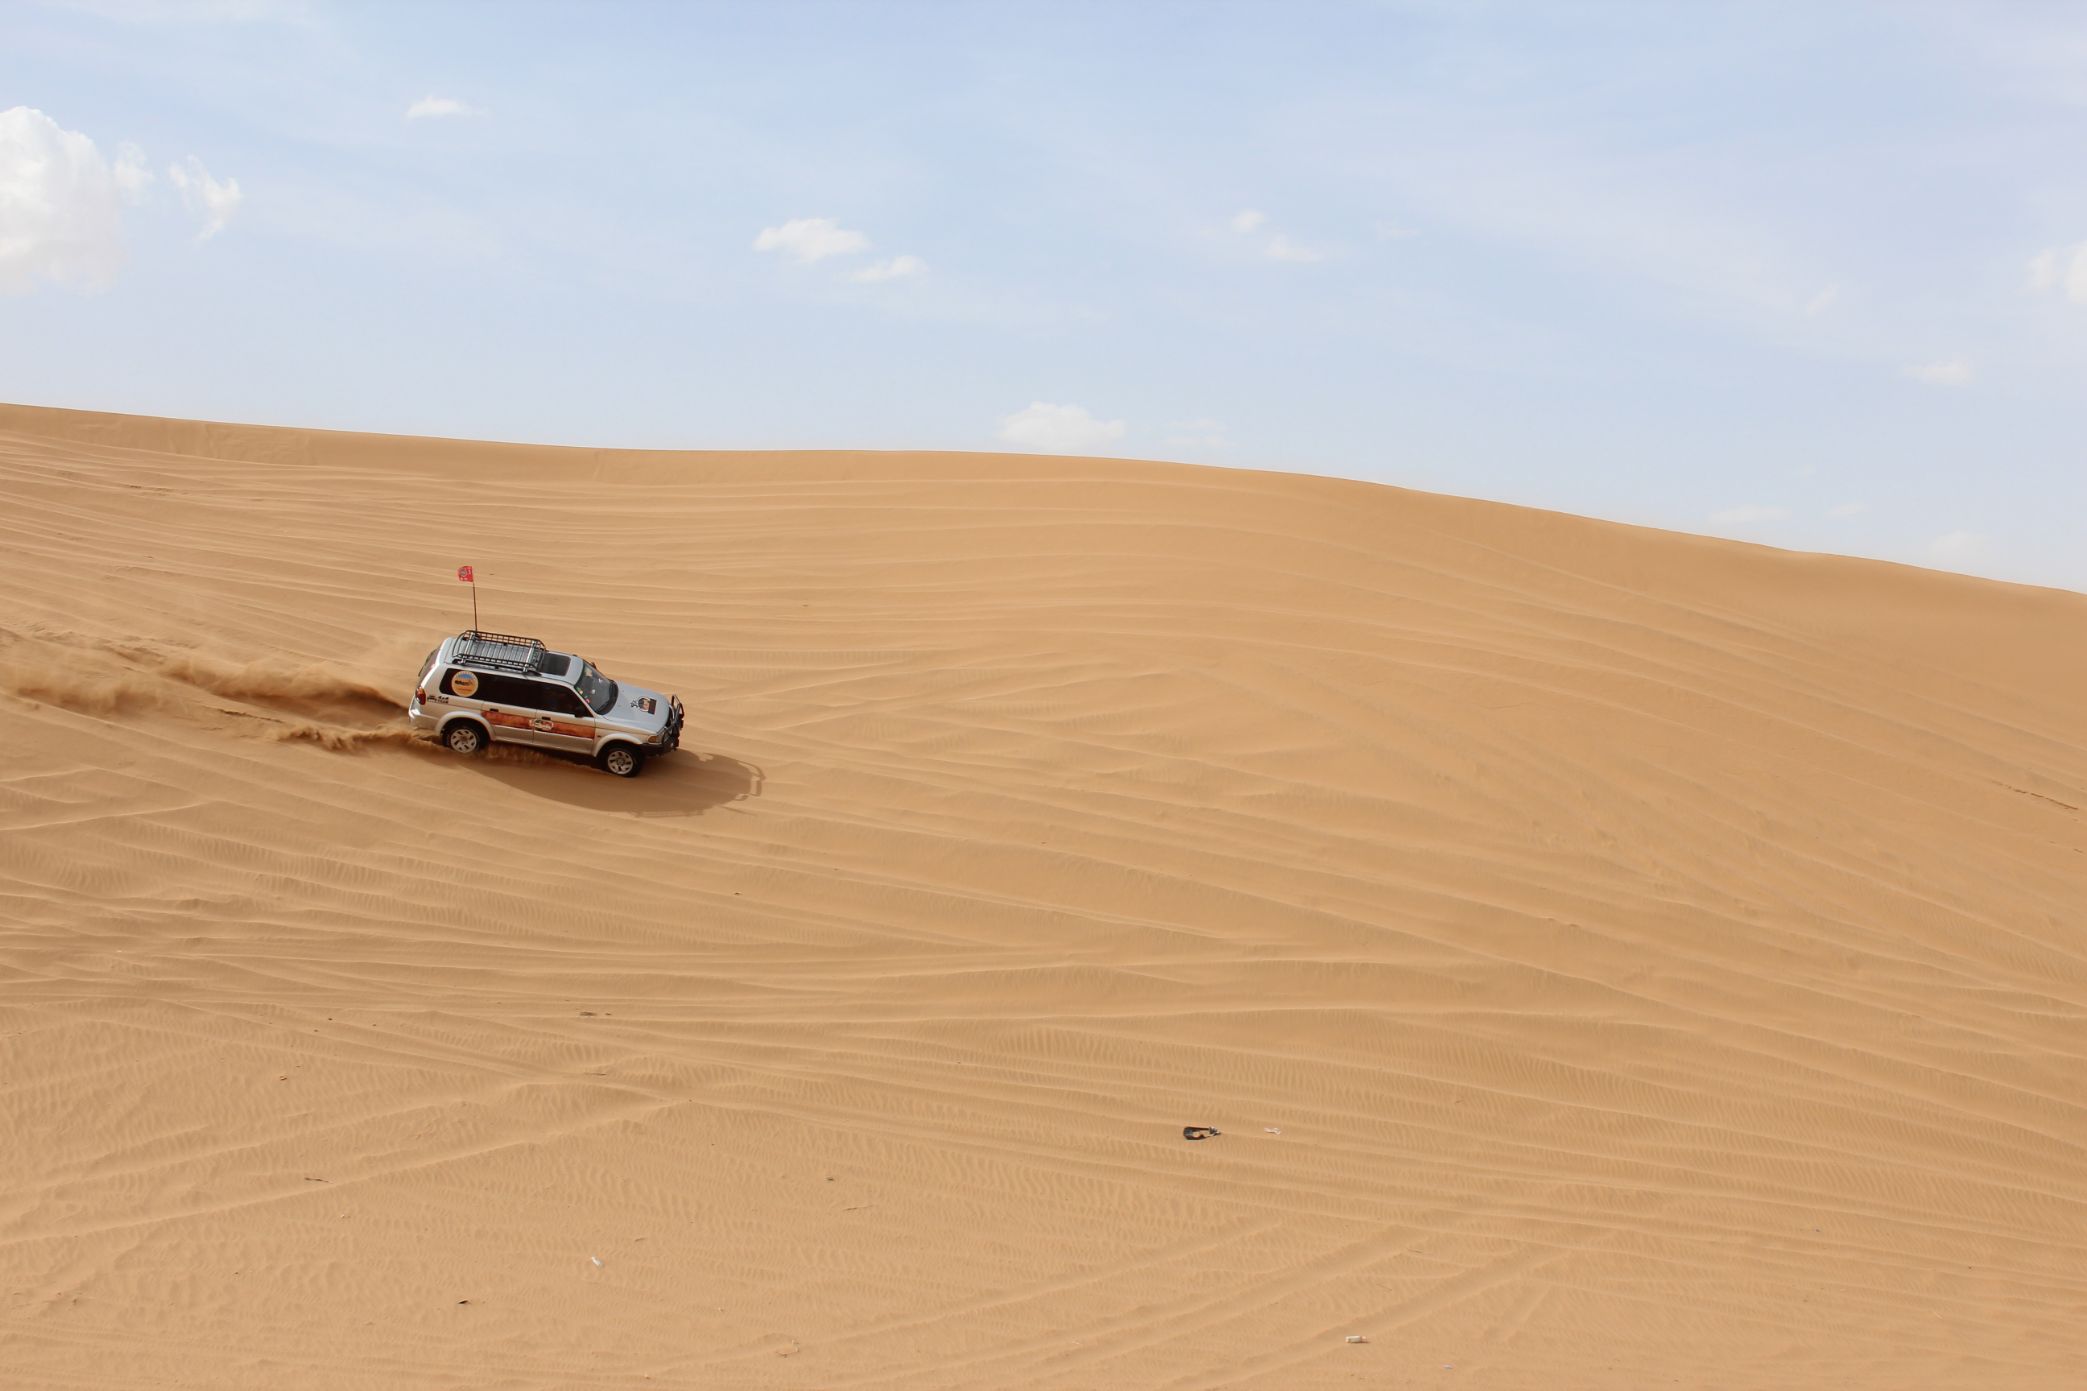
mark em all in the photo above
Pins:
pixel 670 737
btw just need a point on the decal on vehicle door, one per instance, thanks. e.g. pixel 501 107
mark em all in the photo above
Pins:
pixel 464 683
pixel 541 724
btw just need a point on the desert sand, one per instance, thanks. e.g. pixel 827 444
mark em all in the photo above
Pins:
pixel 1613 958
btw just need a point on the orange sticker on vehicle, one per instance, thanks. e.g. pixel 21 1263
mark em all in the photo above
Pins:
pixel 541 724
pixel 464 683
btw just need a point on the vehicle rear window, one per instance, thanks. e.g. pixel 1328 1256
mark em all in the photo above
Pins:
pixel 472 684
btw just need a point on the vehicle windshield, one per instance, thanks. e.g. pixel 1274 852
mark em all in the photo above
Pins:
pixel 597 690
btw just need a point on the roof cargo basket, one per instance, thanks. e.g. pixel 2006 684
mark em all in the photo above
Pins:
pixel 499 651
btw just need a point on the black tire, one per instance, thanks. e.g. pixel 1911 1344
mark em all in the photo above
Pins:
pixel 467 737
pixel 622 760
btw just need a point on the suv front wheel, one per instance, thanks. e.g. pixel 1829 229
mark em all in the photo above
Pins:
pixel 622 760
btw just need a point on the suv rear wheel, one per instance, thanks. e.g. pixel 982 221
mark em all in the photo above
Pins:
pixel 622 760
pixel 465 737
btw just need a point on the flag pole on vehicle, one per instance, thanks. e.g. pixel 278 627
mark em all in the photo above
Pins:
pixel 468 576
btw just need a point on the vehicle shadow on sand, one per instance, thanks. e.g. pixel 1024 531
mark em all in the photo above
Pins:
pixel 687 782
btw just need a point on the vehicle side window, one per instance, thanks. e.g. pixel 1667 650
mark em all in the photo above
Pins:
pixel 536 695
pixel 506 690
pixel 448 687
pixel 563 700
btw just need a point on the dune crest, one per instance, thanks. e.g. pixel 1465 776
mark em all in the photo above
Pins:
pixel 1610 958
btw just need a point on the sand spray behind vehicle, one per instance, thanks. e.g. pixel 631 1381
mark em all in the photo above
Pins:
pixel 314 702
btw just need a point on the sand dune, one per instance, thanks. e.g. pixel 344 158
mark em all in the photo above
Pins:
pixel 1664 960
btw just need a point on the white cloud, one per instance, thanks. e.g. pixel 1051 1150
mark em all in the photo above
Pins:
pixel 132 177
pixel 1950 371
pixel 1848 509
pixel 1821 302
pixel 897 268
pixel 1058 429
pixel 1392 231
pixel 1958 545
pixel 432 107
pixel 1747 513
pixel 60 204
pixel 1281 248
pixel 2061 268
pixel 1278 247
pixel 810 239
pixel 1201 433
pixel 204 196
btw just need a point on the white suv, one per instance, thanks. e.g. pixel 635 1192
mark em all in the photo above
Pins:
pixel 480 687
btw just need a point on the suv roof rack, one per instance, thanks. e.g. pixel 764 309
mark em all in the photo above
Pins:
pixel 500 651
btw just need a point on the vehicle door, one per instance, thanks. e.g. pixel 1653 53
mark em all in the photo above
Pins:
pixel 506 702
pixel 566 723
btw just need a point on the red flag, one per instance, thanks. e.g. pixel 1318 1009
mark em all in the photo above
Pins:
pixel 464 574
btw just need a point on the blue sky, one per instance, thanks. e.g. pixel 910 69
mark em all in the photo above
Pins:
pixel 1808 274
